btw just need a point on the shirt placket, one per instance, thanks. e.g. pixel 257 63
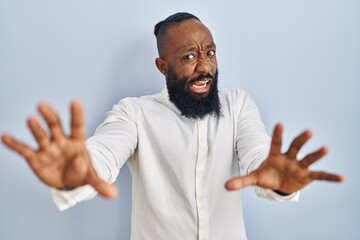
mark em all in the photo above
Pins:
pixel 201 193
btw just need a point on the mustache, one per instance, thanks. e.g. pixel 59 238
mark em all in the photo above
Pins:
pixel 201 77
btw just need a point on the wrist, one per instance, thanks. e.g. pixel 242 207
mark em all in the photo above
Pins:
pixel 66 188
pixel 282 193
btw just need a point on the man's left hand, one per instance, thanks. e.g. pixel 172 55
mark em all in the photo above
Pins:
pixel 283 172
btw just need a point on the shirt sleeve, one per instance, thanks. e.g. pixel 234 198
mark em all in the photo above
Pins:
pixel 112 144
pixel 253 144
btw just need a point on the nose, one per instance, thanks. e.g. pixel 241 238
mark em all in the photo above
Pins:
pixel 203 66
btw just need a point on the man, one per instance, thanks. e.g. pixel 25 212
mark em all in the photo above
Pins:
pixel 181 146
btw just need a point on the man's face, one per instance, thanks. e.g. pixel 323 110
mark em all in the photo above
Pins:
pixel 189 64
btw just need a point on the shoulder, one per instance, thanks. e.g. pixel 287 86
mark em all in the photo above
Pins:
pixel 236 100
pixel 138 101
pixel 134 105
pixel 233 96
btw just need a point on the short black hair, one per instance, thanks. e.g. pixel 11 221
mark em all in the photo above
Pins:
pixel 162 26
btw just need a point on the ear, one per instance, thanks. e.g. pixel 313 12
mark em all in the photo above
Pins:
pixel 161 65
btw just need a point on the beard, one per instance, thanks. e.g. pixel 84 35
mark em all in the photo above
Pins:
pixel 192 105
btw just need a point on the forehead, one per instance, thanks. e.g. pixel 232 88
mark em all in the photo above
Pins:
pixel 187 34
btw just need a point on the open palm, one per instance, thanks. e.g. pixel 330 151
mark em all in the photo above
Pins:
pixel 60 161
pixel 283 172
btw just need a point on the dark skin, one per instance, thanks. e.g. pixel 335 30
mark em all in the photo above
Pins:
pixel 190 51
pixel 62 161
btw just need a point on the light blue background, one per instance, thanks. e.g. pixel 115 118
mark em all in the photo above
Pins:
pixel 299 60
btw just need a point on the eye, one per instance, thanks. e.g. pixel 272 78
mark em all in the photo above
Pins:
pixel 189 57
pixel 211 53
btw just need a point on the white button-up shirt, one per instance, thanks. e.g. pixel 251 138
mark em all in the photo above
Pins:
pixel 179 166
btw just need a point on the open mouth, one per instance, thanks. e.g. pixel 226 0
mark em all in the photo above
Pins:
pixel 201 86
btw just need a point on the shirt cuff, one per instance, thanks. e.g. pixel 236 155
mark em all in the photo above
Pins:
pixel 66 199
pixel 271 195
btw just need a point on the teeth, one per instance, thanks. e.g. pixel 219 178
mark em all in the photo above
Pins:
pixel 197 87
pixel 203 84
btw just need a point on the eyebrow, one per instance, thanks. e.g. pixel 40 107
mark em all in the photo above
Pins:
pixel 193 48
pixel 211 45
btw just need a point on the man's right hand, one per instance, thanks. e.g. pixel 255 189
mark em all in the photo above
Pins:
pixel 60 161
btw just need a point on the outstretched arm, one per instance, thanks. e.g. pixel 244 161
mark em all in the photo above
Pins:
pixel 60 161
pixel 282 172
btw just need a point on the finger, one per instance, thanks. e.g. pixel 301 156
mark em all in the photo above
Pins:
pixel 324 176
pixel 276 141
pixel 77 121
pixel 241 182
pixel 103 188
pixel 38 132
pixel 52 120
pixel 20 148
pixel 313 157
pixel 297 144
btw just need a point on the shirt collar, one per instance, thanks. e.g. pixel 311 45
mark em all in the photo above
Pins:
pixel 165 99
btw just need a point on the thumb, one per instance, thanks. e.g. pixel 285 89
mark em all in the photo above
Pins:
pixel 241 182
pixel 104 188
